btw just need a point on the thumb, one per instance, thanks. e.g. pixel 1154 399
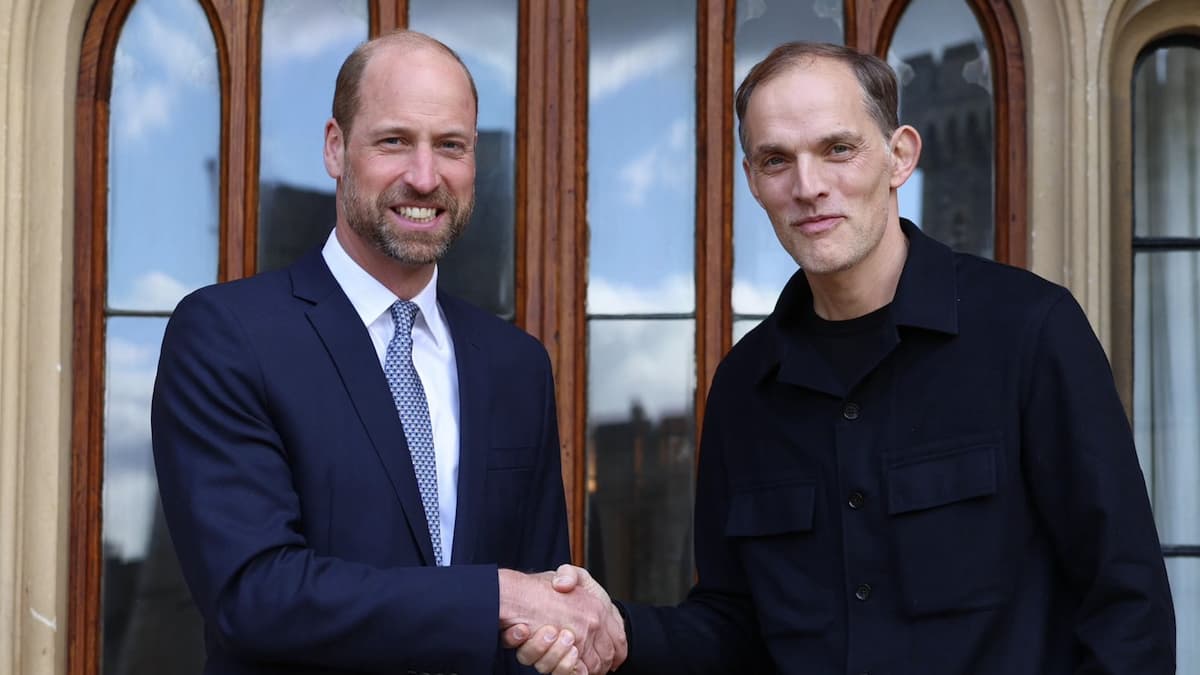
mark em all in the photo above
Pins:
pixel 514 636
pixel 566 578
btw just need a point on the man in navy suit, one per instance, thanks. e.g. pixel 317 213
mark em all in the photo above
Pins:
pixel 356 468
pixel 918 463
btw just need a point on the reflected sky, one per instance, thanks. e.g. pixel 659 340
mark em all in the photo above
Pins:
pixel 304 43
pixel 641 156
pixel 760 265
pixel 164 135
pixel 131 357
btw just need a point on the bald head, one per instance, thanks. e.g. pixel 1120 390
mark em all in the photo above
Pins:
pixel 347 94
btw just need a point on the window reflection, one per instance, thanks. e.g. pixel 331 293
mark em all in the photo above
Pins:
pixel 163 176
pixel 1166 306
pixel 641 457
pixel 150 622
pixel 641 155
pixel 164 140
pixel 641 296
pixel 944 69
pixel 481 265
pixel 760 265
pixel 304 43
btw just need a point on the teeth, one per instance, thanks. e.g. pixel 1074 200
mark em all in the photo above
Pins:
pixel 416 213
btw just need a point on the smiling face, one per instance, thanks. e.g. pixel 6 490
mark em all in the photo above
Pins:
pixel 821 167
pixel 406 170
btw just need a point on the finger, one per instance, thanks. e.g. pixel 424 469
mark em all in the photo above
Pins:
pixel 621 641
pixel 570 663
pixel 593 661
pixel 536 647
pixel 566 578
pixel 515 636
pixel 559 651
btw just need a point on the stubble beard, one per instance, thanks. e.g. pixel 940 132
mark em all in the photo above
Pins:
pixel 373 221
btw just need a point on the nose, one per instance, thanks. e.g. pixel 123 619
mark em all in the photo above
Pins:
pixel 421 174
pixel 810 182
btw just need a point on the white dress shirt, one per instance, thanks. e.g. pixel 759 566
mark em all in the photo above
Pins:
pixel 433 356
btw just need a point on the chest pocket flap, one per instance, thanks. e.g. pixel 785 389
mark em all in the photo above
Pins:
pixel 916 483
pixel 773 509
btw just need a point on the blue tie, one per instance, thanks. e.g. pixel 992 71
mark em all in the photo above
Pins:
pixel 409 396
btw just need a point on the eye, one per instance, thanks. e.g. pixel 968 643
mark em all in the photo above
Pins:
pixel 840 149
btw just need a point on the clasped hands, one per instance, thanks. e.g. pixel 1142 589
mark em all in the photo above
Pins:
pixel 578 629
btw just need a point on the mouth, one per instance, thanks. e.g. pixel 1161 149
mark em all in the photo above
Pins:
pixel 819 224
pixel 418 216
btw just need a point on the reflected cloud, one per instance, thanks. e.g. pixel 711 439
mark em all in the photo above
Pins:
pixel 489 37
pixel 752 298
pixel 644 363
pixel 615 66
pixel 298 30
pixel 158 58
pixel 675 293
pixel 129 482
pixel 154 290
pixel 657 167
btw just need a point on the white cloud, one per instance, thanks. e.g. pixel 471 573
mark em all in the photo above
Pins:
pixel 177 47
pixel 144 102
pixel 648 363
pixel 613 68
pixel 674 294
pixel 489 37
pixel 303 29
pixel 752 298
pixel 129 483
pixel 155 290
pixel 637 176
pixel 143 110
pixel 129 506
pixel 668 163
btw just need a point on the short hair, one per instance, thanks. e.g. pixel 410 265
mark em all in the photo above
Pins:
pixel 875 78
pixel 347 98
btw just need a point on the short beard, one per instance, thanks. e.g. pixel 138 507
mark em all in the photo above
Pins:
pixel 373 222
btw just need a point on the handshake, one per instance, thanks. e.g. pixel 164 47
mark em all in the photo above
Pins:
pixel 561 622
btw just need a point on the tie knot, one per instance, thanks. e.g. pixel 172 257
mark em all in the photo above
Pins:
pixel 404 312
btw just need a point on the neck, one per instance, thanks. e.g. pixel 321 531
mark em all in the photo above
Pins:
pixel 866 286
pixel 400 278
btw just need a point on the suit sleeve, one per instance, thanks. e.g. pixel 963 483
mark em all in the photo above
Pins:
pixel 226 487
pixel 715 630
pixel 547 542
pixel 1083 471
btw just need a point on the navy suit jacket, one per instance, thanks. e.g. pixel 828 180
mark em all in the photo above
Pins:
pixel 291 498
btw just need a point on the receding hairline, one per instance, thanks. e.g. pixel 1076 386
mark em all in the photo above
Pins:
pixel 347 99
pixel 875 80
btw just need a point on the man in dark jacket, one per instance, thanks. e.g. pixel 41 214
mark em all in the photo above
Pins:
pixel 918 463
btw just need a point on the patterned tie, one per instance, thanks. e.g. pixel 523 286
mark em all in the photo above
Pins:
pixel 409 396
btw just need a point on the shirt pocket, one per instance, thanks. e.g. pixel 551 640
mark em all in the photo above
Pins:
pixel 949 525
pixel 772 527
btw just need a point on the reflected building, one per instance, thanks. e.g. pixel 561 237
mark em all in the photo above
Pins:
pixel 639 533
pixel 949 101
pixel 479 266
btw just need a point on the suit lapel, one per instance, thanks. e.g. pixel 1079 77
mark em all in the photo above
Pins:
pixel 350 348
pixel 473 424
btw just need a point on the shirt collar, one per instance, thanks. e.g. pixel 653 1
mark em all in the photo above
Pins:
pixel 926 298
pixel 371 299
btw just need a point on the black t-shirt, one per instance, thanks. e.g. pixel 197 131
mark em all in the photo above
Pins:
pixel 851 347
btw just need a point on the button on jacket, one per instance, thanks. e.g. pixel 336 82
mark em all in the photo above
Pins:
pixel 972 505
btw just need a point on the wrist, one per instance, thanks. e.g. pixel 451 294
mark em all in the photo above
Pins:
pixel 512 597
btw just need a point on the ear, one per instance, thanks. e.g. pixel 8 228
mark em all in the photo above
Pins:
pixel 906 152
pixel 335 150
pixel 750 180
